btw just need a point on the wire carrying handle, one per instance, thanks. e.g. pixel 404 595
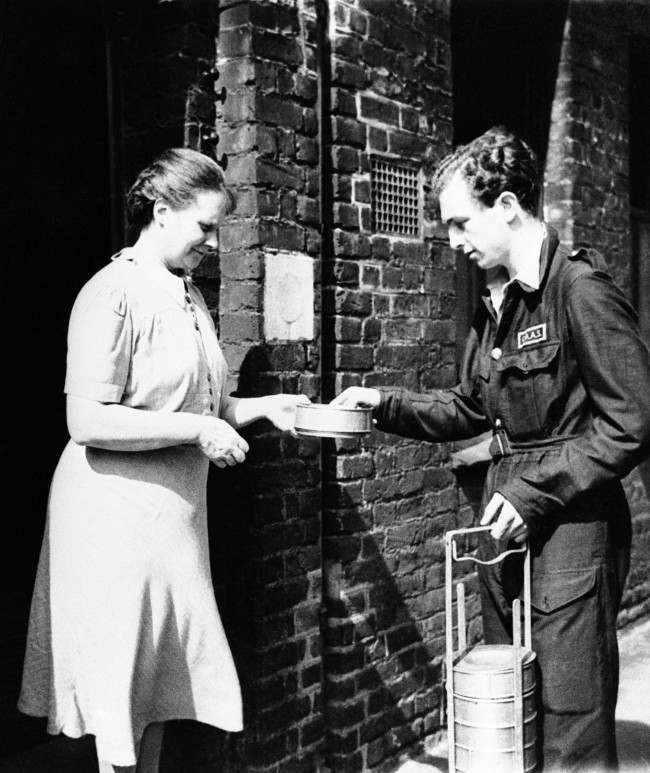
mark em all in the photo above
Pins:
pixel 474 529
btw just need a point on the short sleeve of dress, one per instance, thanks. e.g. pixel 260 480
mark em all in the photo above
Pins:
pixel 99 342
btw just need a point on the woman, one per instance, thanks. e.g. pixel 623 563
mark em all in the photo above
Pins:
pixel 124 630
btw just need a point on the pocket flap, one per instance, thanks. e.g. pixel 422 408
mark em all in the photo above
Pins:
pixel 533 358
pixel 553 591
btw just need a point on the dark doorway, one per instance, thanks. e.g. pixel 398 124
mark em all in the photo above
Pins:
pixel 56 234
pixel 504 65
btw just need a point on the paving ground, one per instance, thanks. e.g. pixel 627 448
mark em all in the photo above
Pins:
pixel 633 708
pixel 632 726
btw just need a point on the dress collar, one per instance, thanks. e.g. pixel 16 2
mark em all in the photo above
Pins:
pixel 171 282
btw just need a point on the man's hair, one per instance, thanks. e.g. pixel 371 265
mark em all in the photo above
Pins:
pixel 496 161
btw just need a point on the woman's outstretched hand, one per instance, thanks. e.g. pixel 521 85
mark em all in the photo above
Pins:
pixel 358 397
pixel 280 410
pixel 221 443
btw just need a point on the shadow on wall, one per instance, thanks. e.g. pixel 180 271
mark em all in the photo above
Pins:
pixel 259 576
pixel 384 640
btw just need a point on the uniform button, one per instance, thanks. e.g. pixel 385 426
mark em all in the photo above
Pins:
pixel 496 353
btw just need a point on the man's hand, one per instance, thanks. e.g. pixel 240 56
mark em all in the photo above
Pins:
pixel 508 525
pixel 358 397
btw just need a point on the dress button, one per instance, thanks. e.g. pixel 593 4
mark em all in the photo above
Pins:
pixel 196 325
pixel 496 353
pixel 212 406
pixel 209 377
pixel 188 298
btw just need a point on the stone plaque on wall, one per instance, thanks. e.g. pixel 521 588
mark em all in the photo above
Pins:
pixel 288 297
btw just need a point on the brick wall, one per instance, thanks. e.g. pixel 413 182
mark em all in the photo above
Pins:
pixel 266 513
pixel 587 195
pixel 388 304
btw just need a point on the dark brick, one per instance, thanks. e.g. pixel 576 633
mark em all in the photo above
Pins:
pixel 410 119
pixel 347 329
pixel 278 111
pixel 348 131
pixel 307 150
pixel 281 236
pixel 346 215
pixel 362 191
pixel 306 87
pixel 378 139
pixel 358 22
pixel 343 102
pixel 270 45
pixel 350 357
pixel 349 75
pixel 308 210
pixel 380 110
pixel 370 276
pixel 352 303
pixel 345 159
pixel 341 272
pixel 406 144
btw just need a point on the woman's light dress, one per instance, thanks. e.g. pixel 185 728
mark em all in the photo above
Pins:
pixel 124 629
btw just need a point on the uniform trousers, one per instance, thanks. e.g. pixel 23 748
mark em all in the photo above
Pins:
pixel 579 562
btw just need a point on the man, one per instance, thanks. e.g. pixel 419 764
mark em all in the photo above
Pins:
pixel 554 365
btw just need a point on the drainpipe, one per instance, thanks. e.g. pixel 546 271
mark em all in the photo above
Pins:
pixel 324 65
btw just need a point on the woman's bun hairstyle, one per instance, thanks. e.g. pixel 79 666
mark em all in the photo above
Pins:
pixel 176 176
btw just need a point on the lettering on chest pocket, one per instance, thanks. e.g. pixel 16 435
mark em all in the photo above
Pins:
pixel 530 378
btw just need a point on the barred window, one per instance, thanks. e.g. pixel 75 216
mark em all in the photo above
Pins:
pixel 395 197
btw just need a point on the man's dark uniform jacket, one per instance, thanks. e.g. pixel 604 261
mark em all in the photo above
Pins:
pixel 563 380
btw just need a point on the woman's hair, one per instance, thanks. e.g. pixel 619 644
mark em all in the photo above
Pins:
pixel 495 162
pixel 176 176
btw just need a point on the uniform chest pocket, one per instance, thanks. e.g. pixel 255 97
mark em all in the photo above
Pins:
pixel 529 379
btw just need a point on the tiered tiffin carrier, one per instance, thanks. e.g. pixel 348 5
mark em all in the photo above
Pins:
pixel 491 704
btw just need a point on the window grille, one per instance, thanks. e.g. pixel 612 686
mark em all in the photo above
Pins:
pixel 395 197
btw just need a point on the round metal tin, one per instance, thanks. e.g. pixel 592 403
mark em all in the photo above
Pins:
pixel 322 420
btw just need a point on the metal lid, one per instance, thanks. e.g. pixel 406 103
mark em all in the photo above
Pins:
pixel 495 658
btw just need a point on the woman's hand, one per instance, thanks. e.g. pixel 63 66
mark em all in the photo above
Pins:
pixel 280 410
pixel 358 397
pixel 221 443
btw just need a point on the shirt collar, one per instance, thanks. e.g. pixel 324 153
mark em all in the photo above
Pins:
pixel 529 275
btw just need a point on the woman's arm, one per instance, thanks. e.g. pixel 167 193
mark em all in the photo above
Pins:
pixel 280 410
pixel 115 427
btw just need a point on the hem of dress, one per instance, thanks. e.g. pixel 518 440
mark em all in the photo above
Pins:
pixel 54 728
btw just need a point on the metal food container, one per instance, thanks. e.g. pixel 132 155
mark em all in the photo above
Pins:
pixel 478 711
pixel 487 672
pixel 491 690
pixel 488 761
pixel 322 420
